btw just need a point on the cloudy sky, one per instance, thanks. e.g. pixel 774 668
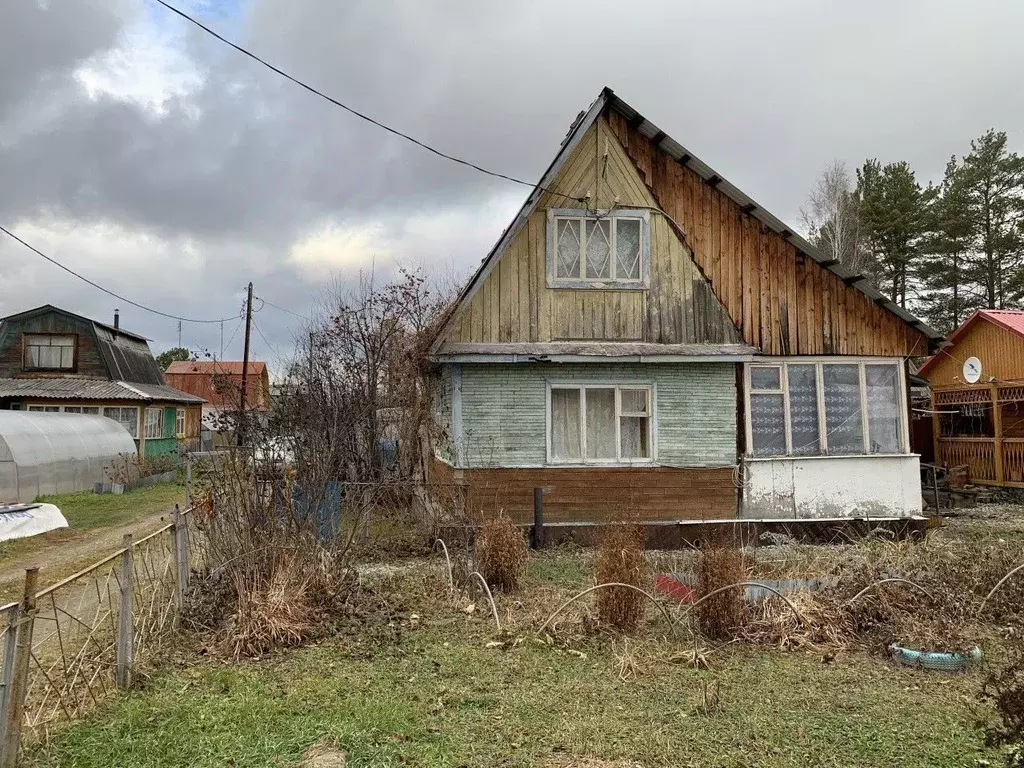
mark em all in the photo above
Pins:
pixel 162 164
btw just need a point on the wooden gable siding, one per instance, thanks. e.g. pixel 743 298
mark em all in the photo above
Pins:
pixel 88 359
pixel 514 303
pixel 1000 350
pixel 783 302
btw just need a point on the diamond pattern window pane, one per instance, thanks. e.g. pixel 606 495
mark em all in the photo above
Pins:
pixel 803 409
pixel 767 425
pixel 627 249
pixel 599 262
pixel 567 244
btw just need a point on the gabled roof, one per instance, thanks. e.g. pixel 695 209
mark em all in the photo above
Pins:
pixel 209 367
pixel 1010 319
pixel 583 122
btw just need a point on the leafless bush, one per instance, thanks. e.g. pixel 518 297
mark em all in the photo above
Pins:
pixel 500 553
pixel 720 564
pixel 620 559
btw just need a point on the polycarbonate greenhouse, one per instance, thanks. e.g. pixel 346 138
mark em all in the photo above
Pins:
pixel 56 452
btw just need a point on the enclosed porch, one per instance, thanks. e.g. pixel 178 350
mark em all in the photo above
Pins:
pixel 981 428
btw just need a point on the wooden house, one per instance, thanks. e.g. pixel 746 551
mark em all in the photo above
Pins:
pixel 52 360
pixel 219 384
pixel 977 398
pixel 645 340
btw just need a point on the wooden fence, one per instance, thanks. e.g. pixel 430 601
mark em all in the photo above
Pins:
pixel 69 647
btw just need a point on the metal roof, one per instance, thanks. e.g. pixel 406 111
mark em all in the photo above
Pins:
pixel 1010 319
pixel 207 367
pixel 582 123
pixel 93 389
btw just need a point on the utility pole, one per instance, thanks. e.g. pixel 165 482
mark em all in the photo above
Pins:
pixel 221 340
pixel 179 333
pixel 240 429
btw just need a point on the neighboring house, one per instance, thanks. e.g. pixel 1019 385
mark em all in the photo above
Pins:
pixel 977 398
pixel 639 365
pixel 52 360
pixel 219 384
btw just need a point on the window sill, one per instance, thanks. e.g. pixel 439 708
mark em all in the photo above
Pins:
pixel 835 456
pixel 602 464
pixel 596 285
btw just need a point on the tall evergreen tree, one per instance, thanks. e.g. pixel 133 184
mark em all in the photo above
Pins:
pixel 893 211
pixel 993 178
pixel 947 294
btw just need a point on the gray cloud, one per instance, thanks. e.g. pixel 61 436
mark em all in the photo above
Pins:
pixel 218 186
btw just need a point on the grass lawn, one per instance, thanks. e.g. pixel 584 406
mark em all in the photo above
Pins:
pixel 427 691
pixel 86 511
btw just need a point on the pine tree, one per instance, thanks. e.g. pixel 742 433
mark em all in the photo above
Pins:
pixel 993 178
pixel 948 296
pixel 893 211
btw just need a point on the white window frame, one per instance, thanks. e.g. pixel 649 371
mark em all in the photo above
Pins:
pixel 179 422
pixel 781 364
pixel 44 408
pixel 134 433
pixel 618 386
pixel 159 424
pixel 582 281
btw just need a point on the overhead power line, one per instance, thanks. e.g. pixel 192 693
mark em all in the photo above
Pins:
pixel 275 306
pixel 353 111
pixel 106 290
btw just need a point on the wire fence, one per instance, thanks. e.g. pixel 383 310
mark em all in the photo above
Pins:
pixel 69 647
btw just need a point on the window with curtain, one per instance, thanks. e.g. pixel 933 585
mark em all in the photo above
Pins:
pixel 600 423
pixel 154 428
pixel 127 417
pixel 49 352
pixel 179 421
pixel 588 249
pixel 805 408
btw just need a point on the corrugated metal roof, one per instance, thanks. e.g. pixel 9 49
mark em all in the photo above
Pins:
pixel 256 368
pixel 127 358
pixel 93 389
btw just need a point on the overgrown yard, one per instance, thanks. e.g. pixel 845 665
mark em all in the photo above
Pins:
pixel 96 524
pixel 425 680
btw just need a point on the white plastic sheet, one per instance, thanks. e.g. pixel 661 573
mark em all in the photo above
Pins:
pixel 17 522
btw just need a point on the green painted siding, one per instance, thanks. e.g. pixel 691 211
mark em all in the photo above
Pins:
pixel 168 444
pixel 504 410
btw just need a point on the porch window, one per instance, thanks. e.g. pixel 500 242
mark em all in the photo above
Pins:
pixel 49 352
pixel 600 423
pixel 127 417
pixel 154 423
pixel 834 408
pixel 44 408
pixel 597 249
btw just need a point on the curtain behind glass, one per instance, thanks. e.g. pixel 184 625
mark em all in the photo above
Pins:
pixel 600 423
pixel 883 396
pixel 565 424
pixel 843 419
pixel 803 409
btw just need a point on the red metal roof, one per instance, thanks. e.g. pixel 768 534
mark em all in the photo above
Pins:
pixel 219 382
pixel 1010 319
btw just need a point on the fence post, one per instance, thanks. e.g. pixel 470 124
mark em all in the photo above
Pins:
pixel 537 539
pixel 7 673
pixel 188 483
pixel 179 579
pixel 19 672
pixel 125 627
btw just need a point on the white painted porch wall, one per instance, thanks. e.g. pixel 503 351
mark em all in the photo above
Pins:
pixel 833 486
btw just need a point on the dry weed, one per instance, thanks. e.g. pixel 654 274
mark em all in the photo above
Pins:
pixel 721 615
pixel 621 560
pixel 500 553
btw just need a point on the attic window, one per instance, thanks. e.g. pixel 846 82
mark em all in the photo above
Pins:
pixel 49 352
pixel 597 249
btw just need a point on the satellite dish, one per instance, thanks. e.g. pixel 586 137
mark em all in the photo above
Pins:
pixel 972 370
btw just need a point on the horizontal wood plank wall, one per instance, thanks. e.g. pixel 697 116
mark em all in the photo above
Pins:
pixel 783 302
pixel 1000 351
pixel 514 304
pixel 600 495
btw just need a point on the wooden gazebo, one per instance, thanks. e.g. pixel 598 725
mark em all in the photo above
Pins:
pixel 977 398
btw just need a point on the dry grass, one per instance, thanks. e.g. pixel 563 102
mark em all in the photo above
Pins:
pixel 720 564
pixel 500 553
pixel 621 559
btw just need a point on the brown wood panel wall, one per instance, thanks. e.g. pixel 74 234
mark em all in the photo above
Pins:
pixel 783 301
pixel 594 494
pixel 1001 352
pixel 88 360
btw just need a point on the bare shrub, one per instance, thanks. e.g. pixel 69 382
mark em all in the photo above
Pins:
pixel 1004 690
pixel 500 553
pixel 620 559
pixel 720 564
